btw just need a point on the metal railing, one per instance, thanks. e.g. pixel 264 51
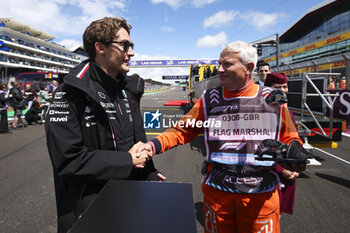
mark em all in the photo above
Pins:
pixel 306 79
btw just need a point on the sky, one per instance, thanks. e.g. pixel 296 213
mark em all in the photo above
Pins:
pixel 164 29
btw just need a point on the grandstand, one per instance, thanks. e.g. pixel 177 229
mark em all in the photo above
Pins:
pixel 319 41
pixel 315 48
pixel 24 48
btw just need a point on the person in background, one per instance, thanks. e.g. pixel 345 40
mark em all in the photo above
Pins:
pixel 4 128
pixel 287 184
pixel 29 95
pixel 11 86
pixel 195 72
pixel 33 114
pixel 215 71
pixel 342 83
pixel 263 70
pixel 44 100
pixel 18 106
pixel 239 189
pixel 332 84
pixel 52 87
pixel 94 120
pixel 207 72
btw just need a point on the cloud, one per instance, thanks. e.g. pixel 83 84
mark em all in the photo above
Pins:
pixel 60 16
pixel 139 56
pixel 212 41
pixel 175 4
pixel 157 73
pixel 69 43
pixel 200 3
pixel 261 20
pixel 220 19
pixel 167 29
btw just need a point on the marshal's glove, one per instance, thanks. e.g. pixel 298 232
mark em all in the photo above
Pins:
pixel 280 152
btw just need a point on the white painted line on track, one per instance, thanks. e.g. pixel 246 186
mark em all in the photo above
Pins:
pixel 329 154
pixel 151 93
pixel 314 162
pixel 346 134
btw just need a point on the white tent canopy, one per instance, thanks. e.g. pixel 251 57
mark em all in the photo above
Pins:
pixel 25 28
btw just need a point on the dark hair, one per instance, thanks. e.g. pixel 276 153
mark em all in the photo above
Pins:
pixel 15 84
pixel 263 64
pixel 268 84
pixel 104 31
pixel 3 86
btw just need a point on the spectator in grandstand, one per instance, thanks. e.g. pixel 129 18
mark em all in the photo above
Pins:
pixel 33 114
pixel 44 100
pixel 29 95
pixel 263 70
pixel 18 105
pixel 342 83
pixel 332 84
pixel 94 120
pixel 286 188
pixel 239 190
pixel 4 128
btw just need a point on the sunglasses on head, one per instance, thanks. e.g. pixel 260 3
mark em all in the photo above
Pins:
pixel 126 45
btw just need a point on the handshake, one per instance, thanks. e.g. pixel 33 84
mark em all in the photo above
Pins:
pixel 141 153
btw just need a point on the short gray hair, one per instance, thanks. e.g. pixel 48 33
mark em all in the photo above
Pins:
pixel 247 53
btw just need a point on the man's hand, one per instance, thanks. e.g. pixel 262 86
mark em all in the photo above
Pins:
pixel 161 177
pixel 289 175
pixel 145 147
pixel 139 159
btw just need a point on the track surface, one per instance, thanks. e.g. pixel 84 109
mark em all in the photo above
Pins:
pixel 27 197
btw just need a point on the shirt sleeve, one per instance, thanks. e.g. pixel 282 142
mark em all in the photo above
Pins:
pixel 184 131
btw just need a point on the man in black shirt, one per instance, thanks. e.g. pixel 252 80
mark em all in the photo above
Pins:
pixel 18 105
pixel 94 120
pixel 263 69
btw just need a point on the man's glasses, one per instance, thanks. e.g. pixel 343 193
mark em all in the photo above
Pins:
pixel 126 45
